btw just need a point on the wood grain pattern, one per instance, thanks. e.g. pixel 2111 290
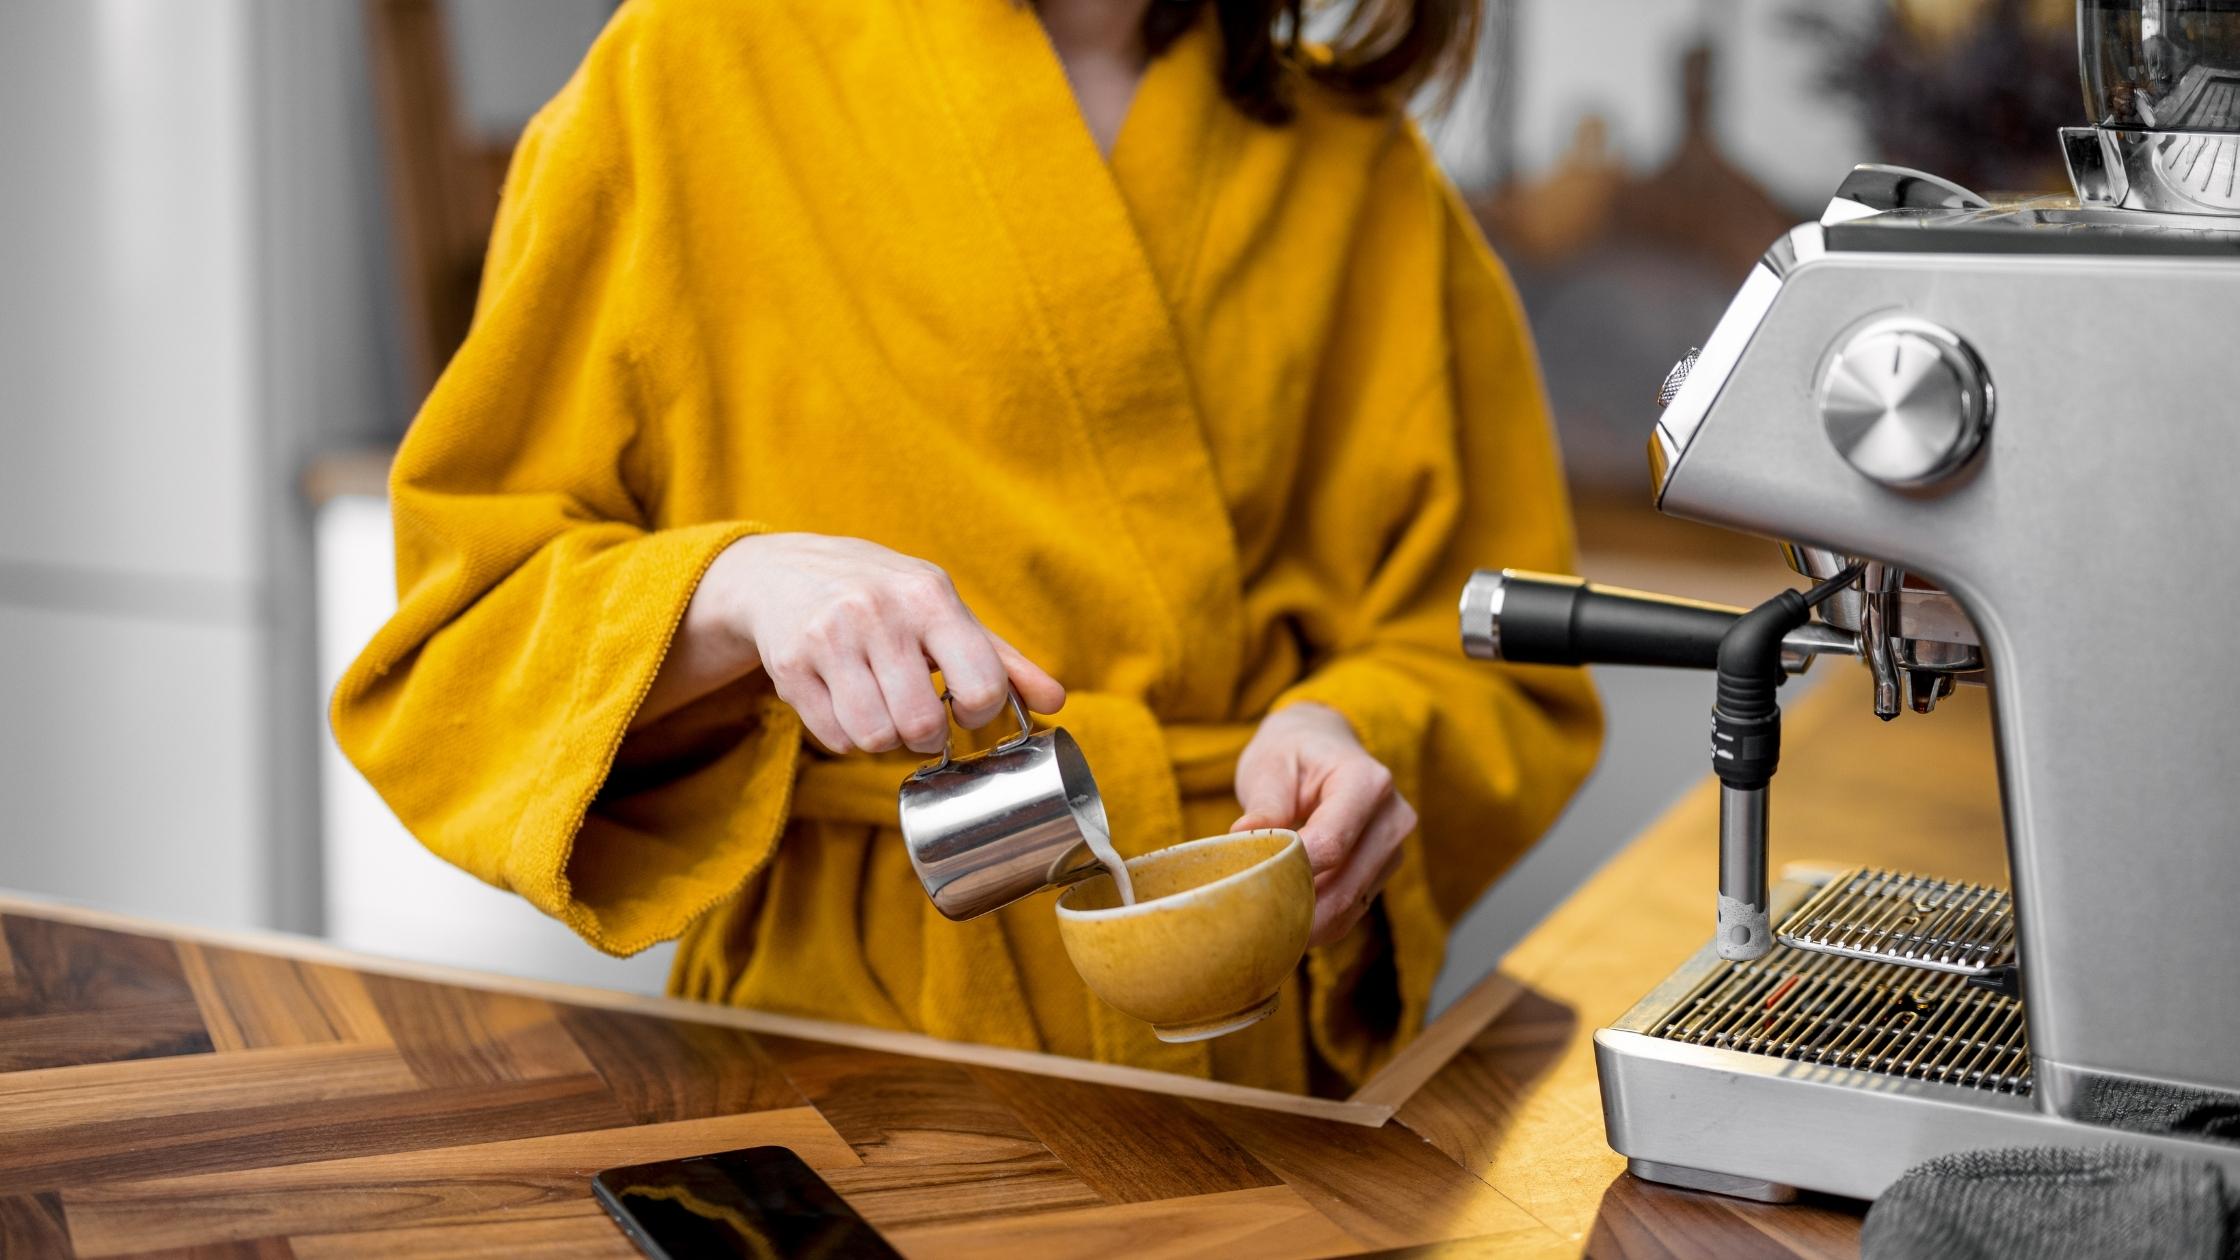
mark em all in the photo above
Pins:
pixel 153 1031
pixel 1484 1247
pixel 582 1235
pixel 32 1225
pixel 43 1103
pixel 248 1249
pixel 216 1098
pixel 251 1000
pixel 1639 1221
pixel 458 1185
pixel 454 1036
pixel 1385 1187
pixel 1492 1108
pixel 1129 1146
pixel 66 967
pixel 1268 1222
pixel 936 1145
pixel 663 1070
pixel 80 994
pixel 269 1135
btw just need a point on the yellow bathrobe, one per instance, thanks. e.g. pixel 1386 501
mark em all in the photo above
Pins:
pixel 1216 425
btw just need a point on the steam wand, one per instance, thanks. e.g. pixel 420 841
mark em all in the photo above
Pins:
pixel 1745 752
pixel 1545 619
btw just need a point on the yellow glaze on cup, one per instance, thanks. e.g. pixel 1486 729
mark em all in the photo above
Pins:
pixel 1217 925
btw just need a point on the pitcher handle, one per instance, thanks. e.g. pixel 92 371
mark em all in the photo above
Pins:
pixel 1018 714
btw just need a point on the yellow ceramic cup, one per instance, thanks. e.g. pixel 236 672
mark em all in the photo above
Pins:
pixel 1217 925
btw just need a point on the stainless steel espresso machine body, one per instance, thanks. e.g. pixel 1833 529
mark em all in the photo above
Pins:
pixel 2006 441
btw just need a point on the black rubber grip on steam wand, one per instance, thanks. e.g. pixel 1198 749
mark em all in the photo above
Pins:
pixel 1547 619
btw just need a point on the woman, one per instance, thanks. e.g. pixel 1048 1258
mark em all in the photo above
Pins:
pixel 1098 340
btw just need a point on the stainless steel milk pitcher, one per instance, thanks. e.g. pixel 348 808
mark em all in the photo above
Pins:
pixel 989 828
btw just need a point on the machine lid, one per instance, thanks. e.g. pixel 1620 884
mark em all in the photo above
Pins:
pixel 2161 65
pixel 2162 90
pixel 2046 225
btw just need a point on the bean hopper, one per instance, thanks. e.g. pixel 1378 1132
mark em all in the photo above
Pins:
pixel 2002 443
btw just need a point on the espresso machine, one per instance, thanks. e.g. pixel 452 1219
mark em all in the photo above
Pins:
pixel 2001 444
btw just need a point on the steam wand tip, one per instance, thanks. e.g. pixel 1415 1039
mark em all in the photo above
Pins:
pixel 1745 930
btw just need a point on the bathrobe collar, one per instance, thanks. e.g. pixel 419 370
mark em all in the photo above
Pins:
pixel 1075 229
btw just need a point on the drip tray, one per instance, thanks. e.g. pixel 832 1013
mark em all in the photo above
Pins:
pixel 1806 1070
pixel 1912 919
pixel 1851 1013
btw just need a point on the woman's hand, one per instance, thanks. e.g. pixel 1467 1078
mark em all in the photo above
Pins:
pixel 846 629
pixel 1305 770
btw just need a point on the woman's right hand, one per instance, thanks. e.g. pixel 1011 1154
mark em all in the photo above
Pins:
pixel 846 629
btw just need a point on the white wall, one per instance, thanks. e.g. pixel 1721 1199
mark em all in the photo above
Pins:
pixel 129 558
pixel 125 335
pixel 187 306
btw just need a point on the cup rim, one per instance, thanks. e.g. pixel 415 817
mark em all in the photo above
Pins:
pixel 1117 912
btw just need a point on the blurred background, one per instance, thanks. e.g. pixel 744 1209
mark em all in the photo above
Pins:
pixel 239 238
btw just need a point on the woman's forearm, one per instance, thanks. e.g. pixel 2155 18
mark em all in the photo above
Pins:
pixel 708 652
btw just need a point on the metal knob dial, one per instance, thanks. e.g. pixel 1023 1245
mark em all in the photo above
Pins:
pixel 1905 401
pixel 1677 377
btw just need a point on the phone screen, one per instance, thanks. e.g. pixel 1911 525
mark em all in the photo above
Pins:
pixel 761 1202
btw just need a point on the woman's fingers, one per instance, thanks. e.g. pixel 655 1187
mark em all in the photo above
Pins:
pixel 1042 693
pixel 856 666
pixel 913 707
pixel 860 706
pixel 1268 789
pixel 1344 894
pixel 1351 796
pixel 978 686
pixel 813 704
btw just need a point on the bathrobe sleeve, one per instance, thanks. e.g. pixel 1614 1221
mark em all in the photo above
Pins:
pixel 1454 472
pixel 537 599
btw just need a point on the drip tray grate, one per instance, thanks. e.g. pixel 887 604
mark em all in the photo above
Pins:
pixel 1852 1013
pixel 1909 919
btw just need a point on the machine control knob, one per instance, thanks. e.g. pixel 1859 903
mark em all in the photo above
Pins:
pixel 1904 401
pixel 1677 377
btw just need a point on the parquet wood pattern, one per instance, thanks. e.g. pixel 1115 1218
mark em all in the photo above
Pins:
pixel 249 1001
pixel 174 1097
pixel 936 1145
pixel 661 1069
pixel 253 1249
pixel 523 1179
pixel 54 1100
pixel 1274 1221
pixel 1129 1146
pixel 62 967
pixel 155 1031
pixel 583 1235
pixel 32 1225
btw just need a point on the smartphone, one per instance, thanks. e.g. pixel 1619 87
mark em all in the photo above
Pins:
pixel 761 1202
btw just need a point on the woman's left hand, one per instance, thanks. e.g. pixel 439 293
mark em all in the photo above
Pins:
pixel 1305 770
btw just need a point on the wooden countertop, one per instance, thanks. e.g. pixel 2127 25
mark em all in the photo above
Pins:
pixel 161 1091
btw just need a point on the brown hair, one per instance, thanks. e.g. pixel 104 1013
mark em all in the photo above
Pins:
pixel 1381 53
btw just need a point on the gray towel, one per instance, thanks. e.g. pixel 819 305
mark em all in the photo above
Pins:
pixel 2054 1203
